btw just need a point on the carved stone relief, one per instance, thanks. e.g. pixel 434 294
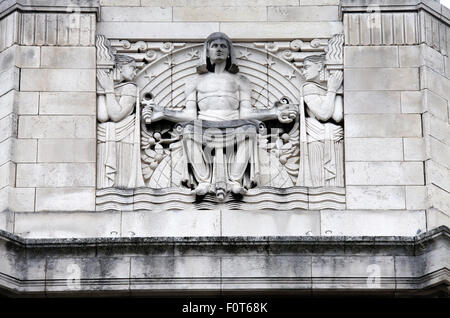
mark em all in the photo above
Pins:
pixel 241 125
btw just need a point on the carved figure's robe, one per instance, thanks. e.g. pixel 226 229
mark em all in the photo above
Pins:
pixel 118 149
pixel 325 148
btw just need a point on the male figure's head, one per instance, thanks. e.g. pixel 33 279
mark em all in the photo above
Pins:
pixel 126 65
pixel 313 66
pixel 218 48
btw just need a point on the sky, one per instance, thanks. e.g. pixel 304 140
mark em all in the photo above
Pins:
pixel 446 3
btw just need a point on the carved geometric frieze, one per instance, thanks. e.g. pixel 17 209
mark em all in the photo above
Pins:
pixel 241 125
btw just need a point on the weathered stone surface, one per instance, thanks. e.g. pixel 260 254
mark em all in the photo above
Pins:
pixel 435 104
pixel 436 218
pixel 65 199
pixel 17 200
pixel 383 223
pixel 67 224
pixel 213 14
pixel 67 150
pixel 414 149
pixel 438 175
pixel 384 173
pixel 135 14
pixel 7 174
pixel 371 102
pixel 435 82
pixel 412 102
pixel 375 197
pixel 171 223
pixel 303 13
pixel 432 59
pixel 25 150
pixel 440 199
pixel 67 103
pixel 63 127
pixel 56 175
pixel 68 57
pixel 373 56
pixel 416 198
pixel 440 152
pixel 8 127
pixel 436 128
pixel 373 149
pixel 382 79
pixel 386 125
pixel 120 2
pixel 20 56
pixel 409 56
pixel 46 80
pixel 9 80
pixel 268 223
pixel 219 3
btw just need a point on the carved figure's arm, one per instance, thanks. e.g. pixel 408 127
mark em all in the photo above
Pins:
pixel 102 113
pixel 118 110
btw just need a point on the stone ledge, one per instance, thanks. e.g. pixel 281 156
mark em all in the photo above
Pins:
pixel 63 6
pixel 212 265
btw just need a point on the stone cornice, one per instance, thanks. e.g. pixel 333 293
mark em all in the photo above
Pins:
pixel 53 6
pixel 434 8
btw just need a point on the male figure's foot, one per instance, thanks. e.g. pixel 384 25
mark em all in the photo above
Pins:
pixel 202 189
pixel 237 188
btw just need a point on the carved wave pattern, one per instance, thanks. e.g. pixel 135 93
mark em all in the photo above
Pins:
pixel 264 198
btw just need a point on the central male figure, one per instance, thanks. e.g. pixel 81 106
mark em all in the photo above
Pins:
pixel 220 126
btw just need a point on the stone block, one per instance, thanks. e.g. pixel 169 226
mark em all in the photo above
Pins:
pixel 67 103
pixel 75 80
pixel 7 174
pixel 416 198
pixel 120 3
pixel 412 102
pixel 18 199
pixel 20 56
pixel 414 149
pixel 320 2
pixel 303 13
pixel 372 223
pixel 68 57
pixel 433 59
pixel 6 219
pixel 435 104
pixel 27 103
pixel 56 175
pixel 219 3
pixel 134 14
pixel 67 224
pixel 375 197
pixel 435 82
pixel 371 56
pixel 384 173
pixel 65 199
pixel 436 218
pixel 280 30
pixel 10 80
pixel 67 150
pixel 213 14
pixel 6 150
pixel 440 152
pixel 373 149
pixel 409 56
pixel 8 127
pixel 158 30
pixel 386 125
pixel 7 104
pixel 64 127
pixel 390 79
pixel 25 150
pixel 360 268
pixel 270 223
pixel 371 102
pixel 72 274
pixel 437 128
pixel 437 175
pixel 439 199
pixel 171 223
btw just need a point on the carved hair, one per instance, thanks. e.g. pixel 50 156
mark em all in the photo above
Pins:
pixel 122 60
pixel 315 59
pixel 205 65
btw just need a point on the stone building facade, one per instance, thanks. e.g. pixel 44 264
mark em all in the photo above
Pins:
pixel 68 228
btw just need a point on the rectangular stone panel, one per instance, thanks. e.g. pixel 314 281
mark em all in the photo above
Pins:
pixel 372 223
pixel 416 198
pixel 67 224
pixel 67 103
pixel 438 175
pixel 9 80
pixel 67 150
pixel 384 173
pixel 68 57
pixel 435 82
pixel 7 174
pixel 412 102
pixel 373 149
pixel 65 199
pixel 414 149
pixel 53 127
pixel 386 125
pixel 436 105
pixel 371 102
pixel 269 223
pixel 440 152
pixel 390 79
pixel 56 175
pixel 213 14
pixel 8 127
pixel 131 14
pixel 219 3
pixel 58 80
pixel 373 56
pixel 303 13
pixel 375 197
pixel 18 199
